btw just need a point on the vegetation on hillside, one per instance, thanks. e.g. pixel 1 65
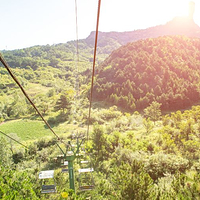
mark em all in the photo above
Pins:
pixel 130 161
pixel 165 69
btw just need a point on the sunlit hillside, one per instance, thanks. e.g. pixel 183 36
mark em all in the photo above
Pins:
pixel 166 70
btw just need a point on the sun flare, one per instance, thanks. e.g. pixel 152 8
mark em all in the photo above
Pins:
pixel 180 7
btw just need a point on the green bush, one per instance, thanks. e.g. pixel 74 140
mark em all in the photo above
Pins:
pixel 160 164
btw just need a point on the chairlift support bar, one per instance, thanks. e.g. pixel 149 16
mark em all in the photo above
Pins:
pixel 70 159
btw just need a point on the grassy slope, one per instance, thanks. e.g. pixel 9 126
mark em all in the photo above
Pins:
pixel 26 129
pixel 34 89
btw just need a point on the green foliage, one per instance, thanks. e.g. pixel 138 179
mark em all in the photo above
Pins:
pixel 150 70
pixel 148 125
pixel 161 164
pixel 5 154
pixel 134 183
pixel 17 185
pixel 98 138
pixel 62 104
pixel 153 111
pixel 128 164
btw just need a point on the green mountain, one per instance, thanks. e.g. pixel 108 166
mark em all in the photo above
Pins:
pixel 107 42
pixel 165 69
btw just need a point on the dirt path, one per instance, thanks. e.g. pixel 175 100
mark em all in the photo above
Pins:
pixel 1 123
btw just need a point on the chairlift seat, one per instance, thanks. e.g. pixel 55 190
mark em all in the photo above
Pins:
pixel 85 170
pixel 84 161
pixel 70 153
pixel 65 163
pixel 86 187
pixel 65 170
pixel 48 189
pixel 46 174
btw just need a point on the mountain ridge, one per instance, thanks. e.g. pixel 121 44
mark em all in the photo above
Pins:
pixel 177 26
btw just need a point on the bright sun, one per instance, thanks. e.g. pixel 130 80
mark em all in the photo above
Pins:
pixel 155 12
pixel 184 8
pixel 180 7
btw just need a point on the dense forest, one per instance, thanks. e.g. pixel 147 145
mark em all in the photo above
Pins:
pixel 141 145
pixel 164 69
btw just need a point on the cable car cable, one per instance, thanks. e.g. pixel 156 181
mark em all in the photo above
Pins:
pixel 26 95
pixel 14 139
pixel 92 82
pixel 77 47
pixel 89 187
pixel 76 71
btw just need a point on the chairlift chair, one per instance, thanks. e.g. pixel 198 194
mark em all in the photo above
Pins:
pixel 84 161
pixel 48 188
pixel 65 164
pixel 84 164
pixel 86 181
pixel 60 159
pixel 65 170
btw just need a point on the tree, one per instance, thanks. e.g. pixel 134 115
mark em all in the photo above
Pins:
pixel 11 142
pixel 148 125
pixel 99 140
pixel 153 111
pixel 44 107
pixel 62 104
pixel 5 153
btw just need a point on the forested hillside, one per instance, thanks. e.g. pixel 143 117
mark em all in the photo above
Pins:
pixel 46 72
pixel 165 69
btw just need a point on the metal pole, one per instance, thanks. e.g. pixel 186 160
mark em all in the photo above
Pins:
pixel 70 159
pixel 71 175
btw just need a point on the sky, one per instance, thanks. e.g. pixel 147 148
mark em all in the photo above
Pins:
pixel 25 23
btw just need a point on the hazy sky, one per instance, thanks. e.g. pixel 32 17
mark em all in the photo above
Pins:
pixel 27 23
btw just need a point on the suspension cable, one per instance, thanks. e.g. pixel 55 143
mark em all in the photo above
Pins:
pixel 76 71
pixel 92 83
pixel 14 139
pixel 26 95
pixel 77 48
